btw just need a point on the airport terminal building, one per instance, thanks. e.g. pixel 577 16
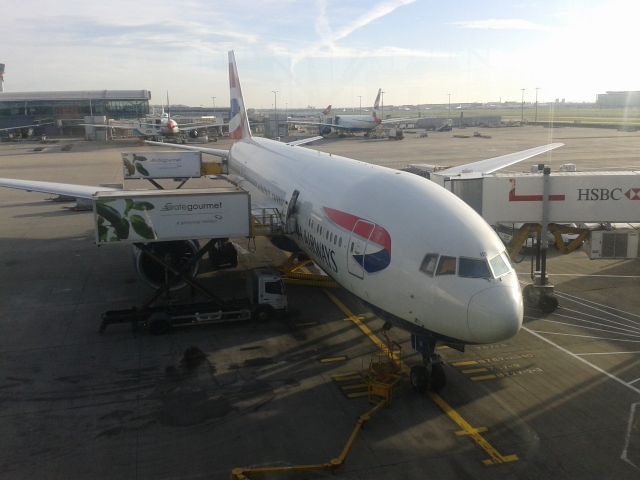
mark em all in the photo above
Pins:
pixel 69 108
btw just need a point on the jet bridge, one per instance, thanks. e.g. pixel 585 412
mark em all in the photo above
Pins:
pixel 573 197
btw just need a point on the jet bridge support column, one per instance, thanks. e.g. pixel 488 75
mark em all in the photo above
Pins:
pixel 540 293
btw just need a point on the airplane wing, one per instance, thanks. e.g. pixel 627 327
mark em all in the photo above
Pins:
pixel 102 125
pixel 218 152
pixel 190 126
pixel 491 165
pixel 319 124
pixel 396 120
pixel 20 127
pixel 304 141
pixel 64 189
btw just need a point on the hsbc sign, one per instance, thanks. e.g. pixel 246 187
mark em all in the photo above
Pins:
pixel 572 197
pixel 596 194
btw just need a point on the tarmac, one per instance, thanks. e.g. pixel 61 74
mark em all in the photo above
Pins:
pixel 559 400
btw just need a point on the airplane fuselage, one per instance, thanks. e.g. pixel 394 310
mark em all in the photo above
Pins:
pixel 159 127
pixel 371 229
pixel 356 123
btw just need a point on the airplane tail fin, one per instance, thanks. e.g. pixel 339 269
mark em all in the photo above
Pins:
pixel 327 110
pixel 376 104
pixel 239 122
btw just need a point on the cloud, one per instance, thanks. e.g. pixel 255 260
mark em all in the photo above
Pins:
pixel 499 24
pixel 377 12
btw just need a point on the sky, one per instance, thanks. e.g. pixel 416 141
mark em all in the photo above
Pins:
pixel 322 52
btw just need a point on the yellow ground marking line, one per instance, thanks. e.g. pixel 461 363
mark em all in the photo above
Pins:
pixel 366 330
pixel 340 358
pixel 475 370
pixel 481 378
pixel 473 433
pixel 467 363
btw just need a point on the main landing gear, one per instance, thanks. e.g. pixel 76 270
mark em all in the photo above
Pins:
pixel 430 375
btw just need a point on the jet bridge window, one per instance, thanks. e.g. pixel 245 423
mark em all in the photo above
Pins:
pixel 473 268
pixel 446 266
pixel 429 264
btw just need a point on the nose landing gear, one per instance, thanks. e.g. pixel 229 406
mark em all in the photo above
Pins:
pixel 430 375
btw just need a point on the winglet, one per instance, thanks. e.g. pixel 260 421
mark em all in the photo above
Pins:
pixel 239 122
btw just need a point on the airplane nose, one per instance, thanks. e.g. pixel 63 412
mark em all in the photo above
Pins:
pixel 495 314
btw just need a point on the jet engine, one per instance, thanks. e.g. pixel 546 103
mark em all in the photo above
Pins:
pixel 194 133
pixel 325 130
pixel 176 254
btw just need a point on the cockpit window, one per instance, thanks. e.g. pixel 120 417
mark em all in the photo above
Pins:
pixel 499 265
pixel 473 268
pixel 446 266
pixel 429 263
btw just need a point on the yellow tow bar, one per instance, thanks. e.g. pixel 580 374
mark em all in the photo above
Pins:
pixel 244 473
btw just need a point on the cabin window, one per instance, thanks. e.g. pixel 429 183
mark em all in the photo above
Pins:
pixel 499 265
pixel 473 268
pixel 340 242
pixel 446 266
pixel 429 264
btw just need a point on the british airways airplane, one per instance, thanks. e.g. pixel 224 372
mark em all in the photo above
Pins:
pixel 419 256
pixel 353 123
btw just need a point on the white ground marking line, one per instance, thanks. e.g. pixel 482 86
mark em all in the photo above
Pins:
pixel 624 456
pixel 582 336
pixel 603 319
pixel 588 328
pixel 630 330
pixel 634 381
pixel 585 302
pixel 586 362
pixel 580 275
pixel 607 353
pixel 604 309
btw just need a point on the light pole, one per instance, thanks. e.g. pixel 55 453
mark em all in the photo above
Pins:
pixel 522 107
pixel 449 104
pixel 275 111
pixel 213 99
pixel 360 97
pixel 537 88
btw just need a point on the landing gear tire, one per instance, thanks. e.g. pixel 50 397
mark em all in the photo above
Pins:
pixel 438 379
pixel 419 378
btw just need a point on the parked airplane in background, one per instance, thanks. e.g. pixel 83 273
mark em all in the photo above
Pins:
pixel 352 123
pixel 418 255
pixel 159 128
pixel 23 131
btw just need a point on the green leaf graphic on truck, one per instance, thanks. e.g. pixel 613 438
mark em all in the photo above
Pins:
pixel 114 225
pixel 131 166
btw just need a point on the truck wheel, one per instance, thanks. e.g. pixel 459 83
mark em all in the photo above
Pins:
pixel 159 323
pixel 262 313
